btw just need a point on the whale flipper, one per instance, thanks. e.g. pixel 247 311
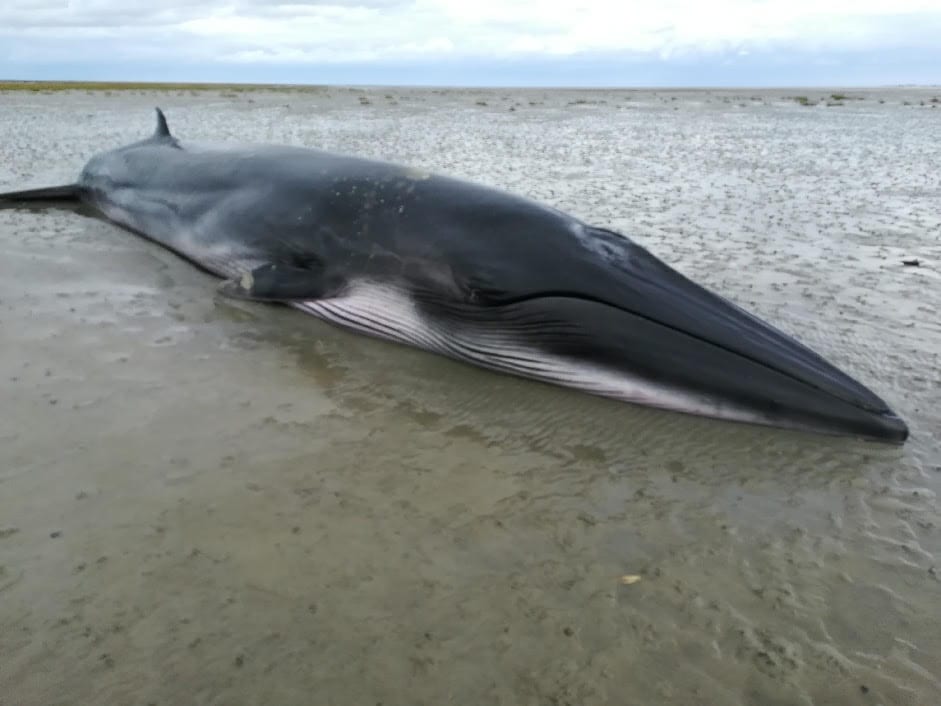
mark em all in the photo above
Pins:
pixel 282 283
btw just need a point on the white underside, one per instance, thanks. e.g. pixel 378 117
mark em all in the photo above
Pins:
pixel 390 313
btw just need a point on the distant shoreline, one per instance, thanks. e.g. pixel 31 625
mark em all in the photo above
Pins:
pixel 50 86
pixel 39 86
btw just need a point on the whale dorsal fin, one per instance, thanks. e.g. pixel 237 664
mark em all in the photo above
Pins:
pixel 163 131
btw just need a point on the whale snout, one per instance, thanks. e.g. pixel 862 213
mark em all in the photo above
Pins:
pixel 891 428
pixel 637 330
pixel 658 325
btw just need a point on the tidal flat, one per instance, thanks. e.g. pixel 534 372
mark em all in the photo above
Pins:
pixel 204 501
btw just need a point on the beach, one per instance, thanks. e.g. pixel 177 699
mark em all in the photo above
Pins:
pixel 220 502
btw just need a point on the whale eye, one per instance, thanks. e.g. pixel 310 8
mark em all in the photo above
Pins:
pixel 304 261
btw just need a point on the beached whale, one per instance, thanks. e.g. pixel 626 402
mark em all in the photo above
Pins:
pixel 467 271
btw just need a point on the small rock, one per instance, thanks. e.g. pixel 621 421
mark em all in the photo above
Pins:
pixel 56 534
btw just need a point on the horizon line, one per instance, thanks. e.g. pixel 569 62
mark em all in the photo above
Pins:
pixel 273 84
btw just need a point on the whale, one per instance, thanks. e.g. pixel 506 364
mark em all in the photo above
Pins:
pixel 468 271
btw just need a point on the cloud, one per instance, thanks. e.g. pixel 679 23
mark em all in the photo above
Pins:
pixel 375 32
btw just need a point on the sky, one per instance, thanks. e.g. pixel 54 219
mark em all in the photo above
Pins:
pixel 477 42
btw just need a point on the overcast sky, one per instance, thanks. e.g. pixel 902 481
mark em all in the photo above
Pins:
pixel 477 42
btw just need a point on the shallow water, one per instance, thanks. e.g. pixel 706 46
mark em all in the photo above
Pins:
pixel 213 502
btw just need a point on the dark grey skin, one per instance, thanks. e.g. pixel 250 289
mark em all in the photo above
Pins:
pixel 466 271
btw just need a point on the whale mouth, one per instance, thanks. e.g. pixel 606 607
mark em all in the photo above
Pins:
pixel 665 341
pixel 655 324
pixel 731 365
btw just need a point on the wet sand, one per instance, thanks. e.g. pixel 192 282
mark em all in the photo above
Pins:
pixel 224 503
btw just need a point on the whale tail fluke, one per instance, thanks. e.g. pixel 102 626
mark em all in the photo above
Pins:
pixel 68 194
